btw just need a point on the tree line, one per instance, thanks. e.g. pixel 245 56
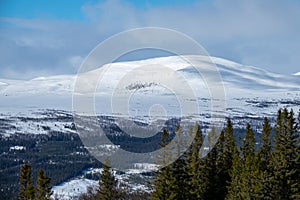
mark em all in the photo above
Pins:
pixel 228 171
pixel 231 171
pixel 28 191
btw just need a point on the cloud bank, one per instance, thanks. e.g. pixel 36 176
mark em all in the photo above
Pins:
pixel 259 33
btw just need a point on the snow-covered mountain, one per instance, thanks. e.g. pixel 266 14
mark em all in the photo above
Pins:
pixel 42 108
pixel 248 90
pixel 297 74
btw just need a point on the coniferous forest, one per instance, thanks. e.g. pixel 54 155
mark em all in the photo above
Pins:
pixel 234 168
pixel 232 171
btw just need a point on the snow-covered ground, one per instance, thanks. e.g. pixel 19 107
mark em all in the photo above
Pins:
pixel 297 74
pixel 249 91
pixel 78 185
pixel 36 122
pixel 45 103
pixel 73 188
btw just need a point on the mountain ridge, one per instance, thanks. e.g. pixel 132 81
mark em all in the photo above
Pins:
pixel 241 85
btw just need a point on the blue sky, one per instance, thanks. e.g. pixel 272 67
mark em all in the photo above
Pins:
pixel 41 38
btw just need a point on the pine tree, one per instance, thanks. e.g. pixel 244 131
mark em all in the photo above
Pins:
pixel 210 168
pixel 234 187
pixel 264 152
pixel 245 172
pixel 107 184
pixel 248 146
pixel 296 187
pixel 221 182
pixel 162 182
pixel 264 159
pixel 179 181
pixel 230 153
pixel 43 190
pixel 27 190
pixel 250 185
pixel 195 167
pixel 229 145
pixel 284 163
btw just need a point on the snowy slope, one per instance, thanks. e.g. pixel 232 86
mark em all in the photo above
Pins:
pixel 3 84
pixel 73 188
pixel 249 90
pixel 237 75
pixel 78 185
pixel 297 74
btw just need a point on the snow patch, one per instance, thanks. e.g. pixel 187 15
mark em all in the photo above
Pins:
pixel 3 84
pixel 146 167
pixel 297 74
pixel 18 148
pixel 73 188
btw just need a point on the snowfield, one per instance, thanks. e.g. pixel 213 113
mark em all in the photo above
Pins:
pixel 250 92
pixel 44 104
pixel 75 187
pixel 297 74
pixel 2 84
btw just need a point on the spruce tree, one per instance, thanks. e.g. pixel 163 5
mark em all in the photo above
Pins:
pixel 162 182
pixel 229 145
pixel 250 184
pixel 43 190
pixel 264 152
pixel 230 153
pixel 107 184
pixel 248 144
pixel 234 187
pixel 27 190
pixel 221 182
pixel 195 167
pixel 264 159
pixel 179 181
pixel 296 186
pixel 210 168
pixel 245 173
pixel 284 163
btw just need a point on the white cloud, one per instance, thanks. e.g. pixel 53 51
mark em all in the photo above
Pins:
pixel 76 61
pixel 260 33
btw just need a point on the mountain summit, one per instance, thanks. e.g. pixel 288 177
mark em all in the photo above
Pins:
pixel 246 87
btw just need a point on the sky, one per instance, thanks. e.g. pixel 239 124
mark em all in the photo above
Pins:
pixel 50 37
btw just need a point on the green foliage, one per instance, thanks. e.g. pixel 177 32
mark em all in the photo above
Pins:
pixel 269 172
pixel 226 158
pixel 222 170
pixel 107 184
pixel 264 159
pixel 179 181
pixel 195 166
pixel 245 182
pixel 285 177
pixel 162 182
pixel 264 152
pixel 248 146
pixel 230 148
pixel 43 190
pixel 27 190
pixel 210 169
pixel 235 174
pixel 228 171
pixel 296 187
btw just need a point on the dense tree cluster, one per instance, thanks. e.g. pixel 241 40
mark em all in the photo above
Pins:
pixel 231 171
pixel 110 189
pixel 226 170
pixel 42 191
